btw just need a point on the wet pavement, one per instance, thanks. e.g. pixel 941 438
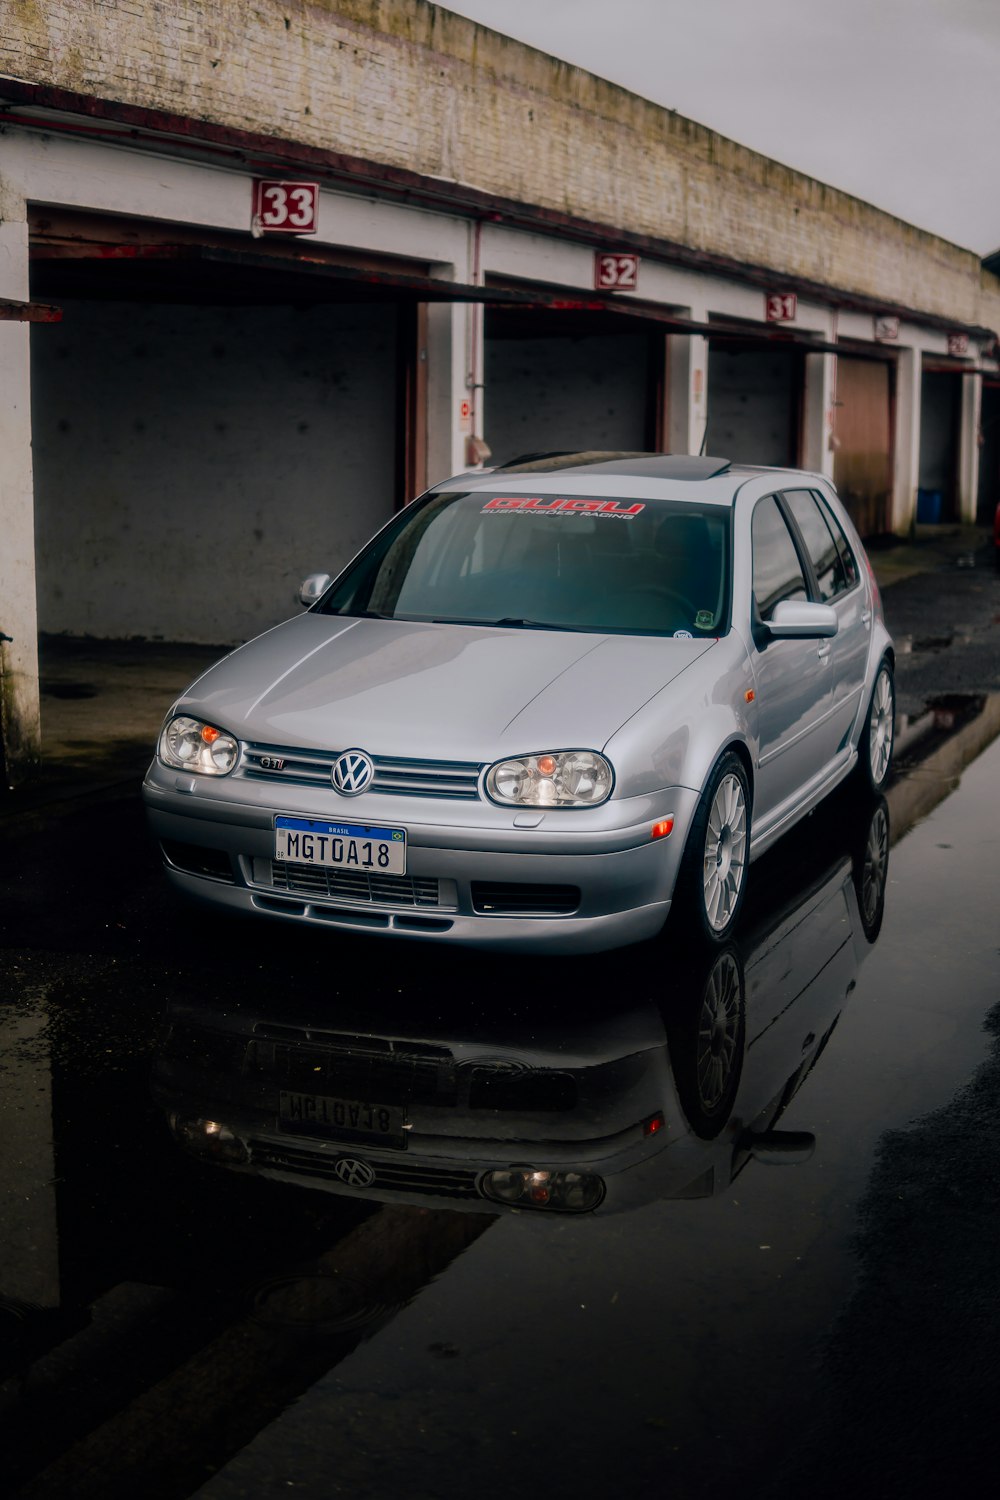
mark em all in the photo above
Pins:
pixel 795 1162
pixel 290 1212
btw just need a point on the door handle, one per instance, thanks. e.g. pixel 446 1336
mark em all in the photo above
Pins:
pixel 866 617
pixel 822 652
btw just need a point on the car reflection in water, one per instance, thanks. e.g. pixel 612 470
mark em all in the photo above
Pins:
pixel 556 1103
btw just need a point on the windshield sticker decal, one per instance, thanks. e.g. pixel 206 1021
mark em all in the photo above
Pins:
pixel 563 507
pixel 683 635
pixel 704 619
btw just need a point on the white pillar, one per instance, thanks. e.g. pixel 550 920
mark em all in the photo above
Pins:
pixel 20 729
pixel 454 387
pixel 817 413
pixel 687 394
pixel 968 447
pixel 906 442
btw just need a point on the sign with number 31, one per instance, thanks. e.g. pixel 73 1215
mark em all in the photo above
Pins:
pixel 285 207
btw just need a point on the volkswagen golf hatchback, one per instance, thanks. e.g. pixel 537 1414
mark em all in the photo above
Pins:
pixel 542 706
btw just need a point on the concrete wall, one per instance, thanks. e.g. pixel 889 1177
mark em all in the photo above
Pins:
pixel 193 464
pixel 409 85
pixel 562 394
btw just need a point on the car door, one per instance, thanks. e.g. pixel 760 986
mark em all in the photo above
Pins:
pixel 836 581
pixel 792 681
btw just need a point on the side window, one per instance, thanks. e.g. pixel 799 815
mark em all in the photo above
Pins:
pixel 847 558
pixel 777 572
pixel 820 545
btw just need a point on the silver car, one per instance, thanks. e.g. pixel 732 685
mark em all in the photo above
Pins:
pixel 545 704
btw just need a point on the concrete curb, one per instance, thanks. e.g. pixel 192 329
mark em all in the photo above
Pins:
pixel 920 790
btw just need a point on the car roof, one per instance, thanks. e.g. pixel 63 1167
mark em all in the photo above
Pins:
pixel 680 476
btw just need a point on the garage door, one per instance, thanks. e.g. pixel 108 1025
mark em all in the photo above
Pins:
pixel 754 403
pixel 862 465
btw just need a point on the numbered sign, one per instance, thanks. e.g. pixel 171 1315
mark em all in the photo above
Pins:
pixel 780 307
pixel 958 343
pixel 615 273
pixel 285 207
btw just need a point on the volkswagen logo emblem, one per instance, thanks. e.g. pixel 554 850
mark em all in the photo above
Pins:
pixel 355 1173
pixel 352 772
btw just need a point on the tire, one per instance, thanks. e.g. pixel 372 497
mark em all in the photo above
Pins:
pixel 714 876
pixel 878 735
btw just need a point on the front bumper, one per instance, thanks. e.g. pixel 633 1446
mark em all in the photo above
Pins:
pixel 624 877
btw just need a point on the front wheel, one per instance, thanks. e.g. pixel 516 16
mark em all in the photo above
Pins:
pixel 714 877
pixel 875 750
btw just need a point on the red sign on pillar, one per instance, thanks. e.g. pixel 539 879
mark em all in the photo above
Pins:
pixel 615 273
pixel 285 207
pixel 780 307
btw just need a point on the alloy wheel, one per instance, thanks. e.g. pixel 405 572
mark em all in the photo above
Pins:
pixel 725 852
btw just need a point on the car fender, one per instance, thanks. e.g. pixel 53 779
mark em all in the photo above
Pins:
pixel 676 738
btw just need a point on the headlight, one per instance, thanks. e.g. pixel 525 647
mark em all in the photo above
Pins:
pixel 563 1192
pixel 563 778
pixel 189 745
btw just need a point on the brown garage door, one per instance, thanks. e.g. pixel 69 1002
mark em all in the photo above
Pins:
pixel 862 466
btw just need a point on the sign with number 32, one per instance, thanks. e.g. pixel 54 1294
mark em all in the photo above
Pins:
pixel 285 207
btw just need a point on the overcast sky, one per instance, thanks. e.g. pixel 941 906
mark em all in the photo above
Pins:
pixel 896 101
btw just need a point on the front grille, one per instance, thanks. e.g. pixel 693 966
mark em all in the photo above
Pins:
pixel 400 1175
pixel 347 885
pixel 499 898
pixel 455 780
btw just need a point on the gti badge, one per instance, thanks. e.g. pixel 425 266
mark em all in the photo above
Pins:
pixel 271 763
pixel 352 771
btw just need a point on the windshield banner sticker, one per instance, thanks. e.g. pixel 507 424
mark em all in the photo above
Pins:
pixel 564 507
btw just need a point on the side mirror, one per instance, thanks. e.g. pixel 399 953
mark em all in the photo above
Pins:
pixel 794 621
pixel 313 588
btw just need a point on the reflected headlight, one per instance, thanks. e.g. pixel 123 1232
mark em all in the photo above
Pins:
pixel 208 1138
pixel 191 745
pixel 561 778
pixel 563 1192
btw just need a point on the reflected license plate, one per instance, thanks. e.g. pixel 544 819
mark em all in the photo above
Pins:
pixel 341 846
pixel 341 1119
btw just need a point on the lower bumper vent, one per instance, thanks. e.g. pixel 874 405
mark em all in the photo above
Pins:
pixel 347 885
pixel 514 900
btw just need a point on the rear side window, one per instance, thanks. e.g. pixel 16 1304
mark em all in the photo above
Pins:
pixel 820 544
pixel 777 572
pixel 843 546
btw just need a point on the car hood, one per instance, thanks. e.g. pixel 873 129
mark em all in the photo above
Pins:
pixel 456 692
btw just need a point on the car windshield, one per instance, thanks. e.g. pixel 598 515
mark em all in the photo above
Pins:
pixel 618 566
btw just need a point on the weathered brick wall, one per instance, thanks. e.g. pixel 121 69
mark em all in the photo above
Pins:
pixel 408 84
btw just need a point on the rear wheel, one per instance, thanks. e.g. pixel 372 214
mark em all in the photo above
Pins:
pixel 875 750
pixel 717 851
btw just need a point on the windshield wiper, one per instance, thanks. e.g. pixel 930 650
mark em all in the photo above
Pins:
pixel 511 621
pixel 531 624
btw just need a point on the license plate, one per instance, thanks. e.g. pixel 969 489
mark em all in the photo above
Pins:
pixel 341 1119
pixel 341 846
